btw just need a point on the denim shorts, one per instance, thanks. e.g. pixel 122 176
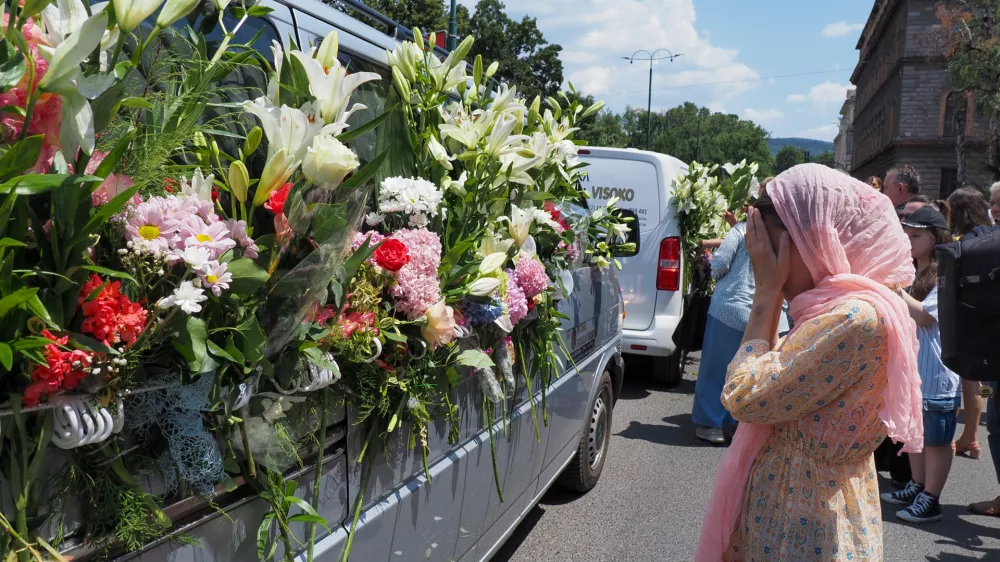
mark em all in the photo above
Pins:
pixel 940 418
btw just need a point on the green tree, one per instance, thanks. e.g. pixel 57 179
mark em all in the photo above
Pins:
pixel 604 129
pixel 788 157
pixel 825 158
pixel 428 15
pixel 970 39
pixel 526 58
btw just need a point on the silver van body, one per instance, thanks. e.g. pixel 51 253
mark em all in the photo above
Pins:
pixel 455 516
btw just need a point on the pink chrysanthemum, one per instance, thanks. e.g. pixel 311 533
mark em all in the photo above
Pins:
pixel 532 277
pixel 215 277
pixel 215 237
pixel 517 303
pixel 149 226
pixel 238 229
pixel 417 284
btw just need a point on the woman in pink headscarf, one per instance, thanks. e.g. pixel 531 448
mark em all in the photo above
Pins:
pixel 799 481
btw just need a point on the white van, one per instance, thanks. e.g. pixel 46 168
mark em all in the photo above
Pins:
pixel 651 280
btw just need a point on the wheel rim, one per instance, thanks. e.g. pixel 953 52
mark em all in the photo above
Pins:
pixel 597 430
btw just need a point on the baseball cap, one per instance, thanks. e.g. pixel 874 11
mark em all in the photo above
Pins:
pixel 926 217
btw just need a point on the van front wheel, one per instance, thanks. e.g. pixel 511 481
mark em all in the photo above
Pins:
pixel 669 370
pixel 585 469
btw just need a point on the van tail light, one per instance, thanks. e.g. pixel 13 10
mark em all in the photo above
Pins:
pixel 668 268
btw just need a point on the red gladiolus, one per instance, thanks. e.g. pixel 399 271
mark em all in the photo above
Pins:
pixel 276 202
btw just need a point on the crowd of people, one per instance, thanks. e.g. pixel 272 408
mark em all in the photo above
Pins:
pixel 852 380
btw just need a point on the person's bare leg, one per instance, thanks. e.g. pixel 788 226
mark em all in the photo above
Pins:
pixel 972 404
pixel 936 465
pixel 917 466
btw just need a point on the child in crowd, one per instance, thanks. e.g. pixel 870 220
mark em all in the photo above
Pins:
pixel 941 388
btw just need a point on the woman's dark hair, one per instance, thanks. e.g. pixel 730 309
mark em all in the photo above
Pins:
pixel 765 205
pixel 928 276
pixel 968 210
pixel 875 182
pixel 944 208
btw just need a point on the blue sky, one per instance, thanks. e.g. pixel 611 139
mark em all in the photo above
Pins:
pixel 731 49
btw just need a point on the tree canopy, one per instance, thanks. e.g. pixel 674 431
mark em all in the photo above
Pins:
pixel 723 137
pixel 788 157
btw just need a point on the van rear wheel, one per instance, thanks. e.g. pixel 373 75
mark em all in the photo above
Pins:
pixel 583 472
pixel 669 370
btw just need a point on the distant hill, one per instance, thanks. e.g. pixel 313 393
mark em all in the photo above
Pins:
pixel 810 145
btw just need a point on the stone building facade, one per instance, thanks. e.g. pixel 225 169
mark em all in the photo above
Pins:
pixel 903 113
pixel 843 145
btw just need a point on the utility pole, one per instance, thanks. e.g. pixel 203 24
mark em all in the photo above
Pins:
pixel 651 57
pixel 453 27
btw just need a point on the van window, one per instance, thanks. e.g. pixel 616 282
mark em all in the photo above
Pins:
pixel 635 183
pixel 372 95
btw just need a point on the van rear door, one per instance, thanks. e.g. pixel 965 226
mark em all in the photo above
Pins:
pixel 637 182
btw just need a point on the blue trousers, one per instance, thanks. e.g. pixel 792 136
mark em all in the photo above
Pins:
pixel 720 346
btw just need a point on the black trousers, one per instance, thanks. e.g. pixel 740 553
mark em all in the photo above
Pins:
pixel 887 458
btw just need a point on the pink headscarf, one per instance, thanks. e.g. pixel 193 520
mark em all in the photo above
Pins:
pixel 850 239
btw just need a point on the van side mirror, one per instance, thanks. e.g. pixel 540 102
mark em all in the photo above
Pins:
pixel 628 247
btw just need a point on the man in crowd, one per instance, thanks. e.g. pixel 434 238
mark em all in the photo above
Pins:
pixel 901 185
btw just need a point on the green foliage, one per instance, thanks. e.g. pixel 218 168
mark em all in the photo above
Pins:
pixel 788 157
pixel 722 137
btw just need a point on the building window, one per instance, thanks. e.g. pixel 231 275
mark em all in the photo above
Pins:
pixel 949 182
pixel 948 116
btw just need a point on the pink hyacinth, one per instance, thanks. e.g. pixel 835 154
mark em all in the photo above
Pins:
pixel 417 284
pixel 517 303
pixel 532 277
pixel 360 237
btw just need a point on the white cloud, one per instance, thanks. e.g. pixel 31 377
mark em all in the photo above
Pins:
pixel 823 96
pixel 596 34
pixel 763 116
pixel 824 132
pixel 842 28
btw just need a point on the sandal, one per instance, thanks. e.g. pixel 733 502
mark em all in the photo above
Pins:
pixel 988 508
pixel 973 450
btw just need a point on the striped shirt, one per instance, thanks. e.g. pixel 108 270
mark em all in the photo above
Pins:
pixel 936 380
pixel 734 283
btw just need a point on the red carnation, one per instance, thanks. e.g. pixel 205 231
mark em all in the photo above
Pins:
pixel 392 255
pixel 62 370
pixel 552 210
pixel 110 316
pixel 276 202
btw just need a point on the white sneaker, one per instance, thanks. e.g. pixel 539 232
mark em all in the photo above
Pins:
pixel 713 435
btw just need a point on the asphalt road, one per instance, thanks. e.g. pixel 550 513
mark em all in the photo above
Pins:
pixel 652 495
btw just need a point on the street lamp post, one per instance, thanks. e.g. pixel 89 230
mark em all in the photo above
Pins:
pixel 452 28
pixel 651 57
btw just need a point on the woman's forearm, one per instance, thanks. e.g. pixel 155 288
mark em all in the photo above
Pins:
pixel 764 317
pixel 916 310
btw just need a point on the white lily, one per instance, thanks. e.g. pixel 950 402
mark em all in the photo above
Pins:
pixel 731 168
pixel 407 57
pixel 66 17
pixel 199 186
pixel 66 78
pixel 440 154
pixel 130 13
pixel 540 146
pixel 330 83
pixel 500 140
pixel 492 245
pixel 278 56
pixel 493 262
pixel 290 132
pixel 558 129
pixel 458 186
pixel 446 78
pixel 466 131
pixel 519 224
pixel 516 169
pixel 502 99
pixel 220 4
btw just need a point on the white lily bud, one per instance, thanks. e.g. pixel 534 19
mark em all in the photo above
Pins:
pixel 174 10
pixel 239 181
pixel 328 162
pixel 130 13
pixel 483 287
pixel 327 54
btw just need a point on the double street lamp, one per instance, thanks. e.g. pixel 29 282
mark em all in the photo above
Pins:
pixel 651 57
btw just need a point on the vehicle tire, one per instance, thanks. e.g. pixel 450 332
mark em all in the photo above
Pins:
pixel 583 472
pixel 669 370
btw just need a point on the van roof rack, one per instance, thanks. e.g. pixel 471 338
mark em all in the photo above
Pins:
pixel 387 25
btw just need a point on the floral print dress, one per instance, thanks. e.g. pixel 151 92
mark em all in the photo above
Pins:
pixel 813 490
